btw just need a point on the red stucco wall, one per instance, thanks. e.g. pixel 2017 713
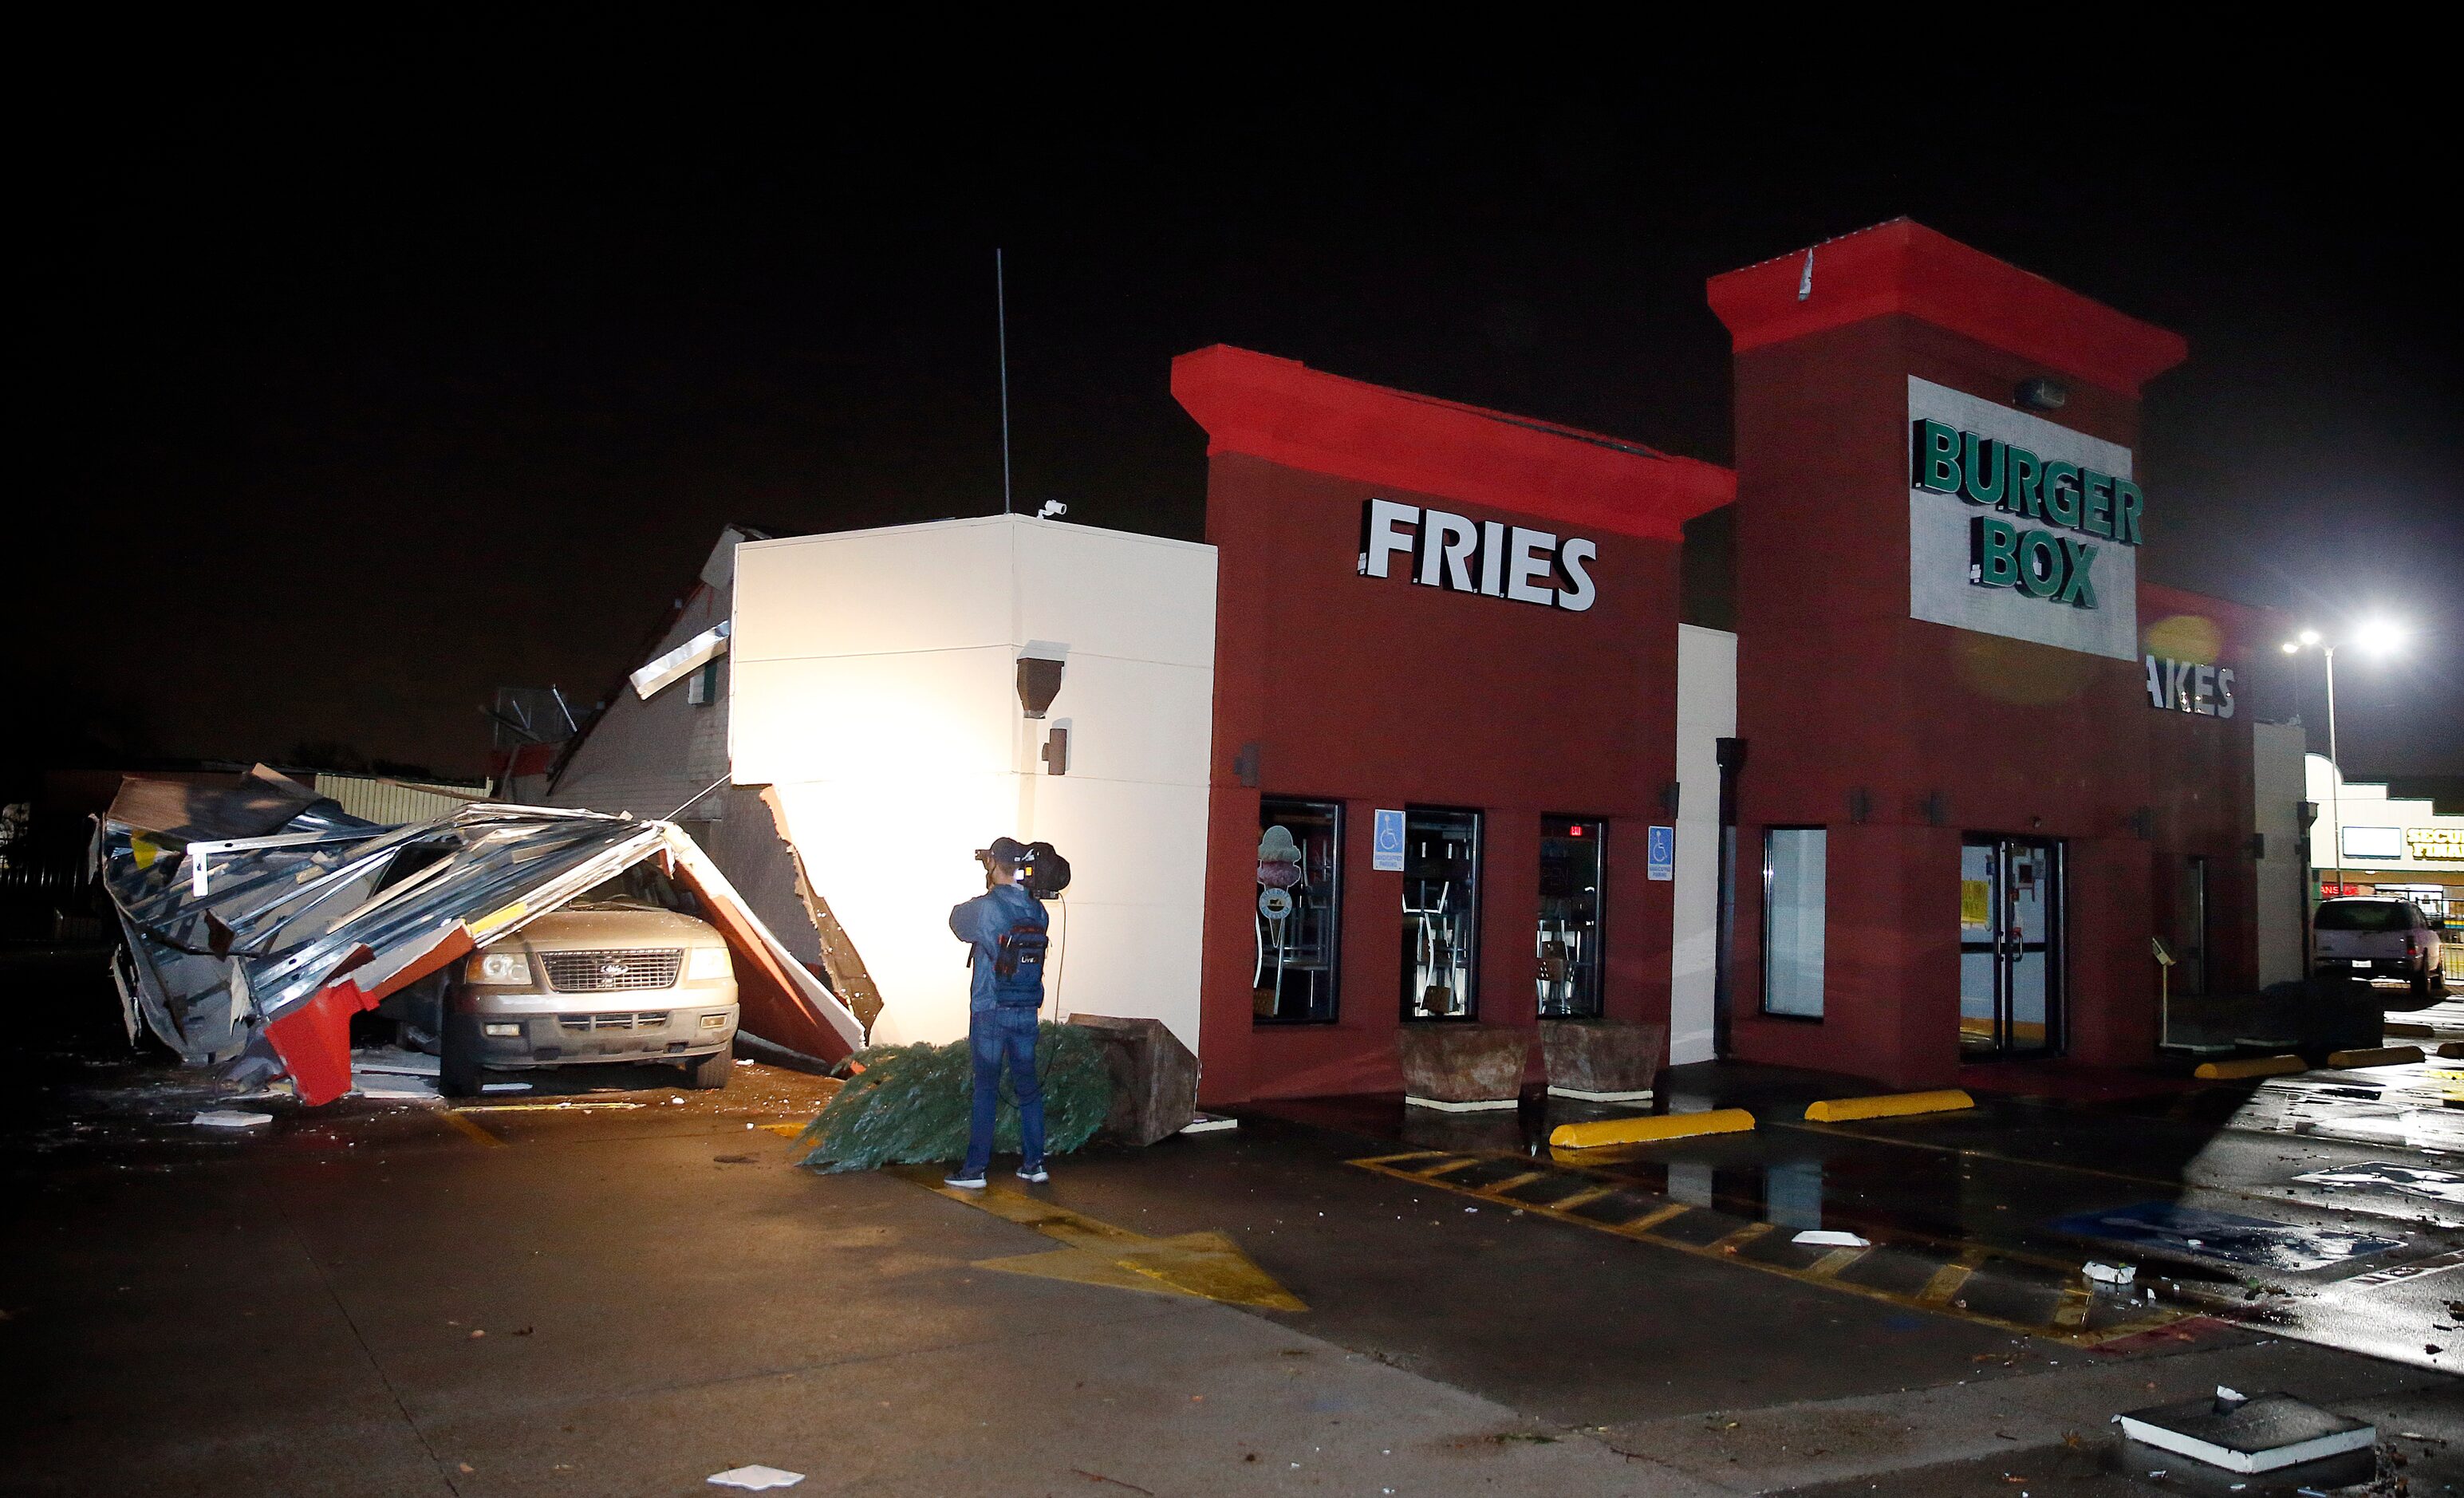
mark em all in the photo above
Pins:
pixel 1380 694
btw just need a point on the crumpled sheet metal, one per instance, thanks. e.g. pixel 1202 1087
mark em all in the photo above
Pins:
pixel 249 947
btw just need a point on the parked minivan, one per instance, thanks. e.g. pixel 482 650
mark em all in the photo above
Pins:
pixel 2376 939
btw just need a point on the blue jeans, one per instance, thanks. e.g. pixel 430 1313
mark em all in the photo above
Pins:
pixel 995 1035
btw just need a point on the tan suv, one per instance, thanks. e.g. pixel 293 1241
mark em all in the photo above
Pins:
pixel 612 977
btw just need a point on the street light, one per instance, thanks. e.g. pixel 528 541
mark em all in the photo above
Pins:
pixel 2378 637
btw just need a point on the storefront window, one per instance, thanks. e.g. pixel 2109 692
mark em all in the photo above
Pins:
pixel 1299 910
pixel 1441 913
pixel 1571 863
pixel 1792 884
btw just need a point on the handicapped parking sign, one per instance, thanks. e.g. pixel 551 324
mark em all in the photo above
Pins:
pixel 1386 842
pixel 1662 849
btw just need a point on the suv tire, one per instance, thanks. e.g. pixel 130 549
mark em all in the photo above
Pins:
pixel 458 1058
pixel 710 1073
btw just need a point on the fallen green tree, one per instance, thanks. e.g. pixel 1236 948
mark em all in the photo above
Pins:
pixel 909 1104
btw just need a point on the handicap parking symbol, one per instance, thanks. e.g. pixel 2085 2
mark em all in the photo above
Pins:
pixel 1663 852
pixel 1386 842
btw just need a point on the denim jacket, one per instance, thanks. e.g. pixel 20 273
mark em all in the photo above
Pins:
pixel 981 923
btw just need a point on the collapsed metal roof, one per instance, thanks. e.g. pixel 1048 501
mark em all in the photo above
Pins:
pixel 260 916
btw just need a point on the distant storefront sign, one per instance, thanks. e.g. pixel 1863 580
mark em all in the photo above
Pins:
pixel 2373 843
pixel 2443 844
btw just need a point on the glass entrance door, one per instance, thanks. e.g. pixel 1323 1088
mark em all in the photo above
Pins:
pixel 2010 946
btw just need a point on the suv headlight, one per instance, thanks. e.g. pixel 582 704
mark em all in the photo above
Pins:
pixel 501 967
pixel 708 962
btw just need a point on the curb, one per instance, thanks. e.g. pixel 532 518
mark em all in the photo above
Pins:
pixel 2250 1067
pixel 1887 1105
pixel 2376 1056
pixel 1648 1130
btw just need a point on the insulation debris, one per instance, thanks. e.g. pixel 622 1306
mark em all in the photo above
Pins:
pixel 260 918
pixel 230 1118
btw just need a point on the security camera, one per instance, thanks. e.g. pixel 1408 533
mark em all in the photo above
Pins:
pixel 1053 509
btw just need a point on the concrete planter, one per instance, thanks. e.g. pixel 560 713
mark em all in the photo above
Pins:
pixel 1463 1068
pixel 1154 1078
pixel 1602 1061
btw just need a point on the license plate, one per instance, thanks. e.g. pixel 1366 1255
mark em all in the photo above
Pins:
pixel 2360 962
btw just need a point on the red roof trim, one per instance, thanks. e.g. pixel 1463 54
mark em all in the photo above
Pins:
pixel 1907 267
pixel 1283 411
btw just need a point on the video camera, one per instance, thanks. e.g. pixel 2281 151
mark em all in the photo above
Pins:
pixel 1039 866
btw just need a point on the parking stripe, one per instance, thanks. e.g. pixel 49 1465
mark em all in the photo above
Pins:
pixel 2065 1320
pixel 1948 1279
pixel 470 1128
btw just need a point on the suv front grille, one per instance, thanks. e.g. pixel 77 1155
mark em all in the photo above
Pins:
pixel 608 971
pixel 654 1020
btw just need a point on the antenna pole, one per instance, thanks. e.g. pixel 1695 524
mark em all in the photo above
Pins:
pixel 1001 325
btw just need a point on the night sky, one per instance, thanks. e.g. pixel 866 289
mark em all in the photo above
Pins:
pixel 360 407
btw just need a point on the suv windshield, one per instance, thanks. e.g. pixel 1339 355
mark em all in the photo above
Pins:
pixel 2364 916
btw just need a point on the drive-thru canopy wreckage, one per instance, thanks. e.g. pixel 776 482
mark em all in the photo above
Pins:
pixel 260 918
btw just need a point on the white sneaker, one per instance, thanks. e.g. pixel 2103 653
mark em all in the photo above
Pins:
pixel 964 1182
pixel 1034 1172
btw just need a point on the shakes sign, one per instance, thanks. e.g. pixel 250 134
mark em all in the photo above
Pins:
pixel 2019 527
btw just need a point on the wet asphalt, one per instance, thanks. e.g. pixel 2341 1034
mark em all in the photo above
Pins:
pixel 658 1294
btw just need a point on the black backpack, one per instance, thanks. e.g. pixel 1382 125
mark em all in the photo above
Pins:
pixel 1018 968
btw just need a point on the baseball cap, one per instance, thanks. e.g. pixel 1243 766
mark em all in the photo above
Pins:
pixel 1008 851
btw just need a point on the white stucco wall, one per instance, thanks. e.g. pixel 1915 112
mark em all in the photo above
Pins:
pixel 2276 791
pixel 1706 712
pixel 874 685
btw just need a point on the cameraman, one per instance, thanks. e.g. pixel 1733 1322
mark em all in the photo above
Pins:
pixel 1005 930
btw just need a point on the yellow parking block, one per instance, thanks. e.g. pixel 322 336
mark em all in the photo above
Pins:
pixel 1887 1105
pixel 2375 1056
pixel 2249 1067
pixel 1648 1130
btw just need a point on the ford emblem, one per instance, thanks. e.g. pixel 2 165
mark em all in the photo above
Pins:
pixel 611 969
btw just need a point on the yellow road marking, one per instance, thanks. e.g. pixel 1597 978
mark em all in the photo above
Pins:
pixel 1741 1237
pixel 1948 1280
pixel 1653 1218
pixel 1207 1265
pixel 2072 1312
pixel 471 1129
pixel 1579 1198
pixel 1936 1296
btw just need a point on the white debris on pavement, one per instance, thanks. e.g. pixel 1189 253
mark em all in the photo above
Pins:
pixel 230 1118
pixel 2111 1273
pixel 390 1088
pixel 394 1061
pixel 756 1479
pixel 1830 1238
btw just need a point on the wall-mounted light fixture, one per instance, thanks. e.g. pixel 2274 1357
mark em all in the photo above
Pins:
pixel 1038 675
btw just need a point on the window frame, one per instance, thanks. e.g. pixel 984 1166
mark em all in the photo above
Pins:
pixel 1333 1014
pixel 1599 994
pixel 1769 878
pixel 1478 914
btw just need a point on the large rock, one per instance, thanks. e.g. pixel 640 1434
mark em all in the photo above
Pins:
pixel 1602 1058
pixel 1462 1065
pixel 1154 1077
